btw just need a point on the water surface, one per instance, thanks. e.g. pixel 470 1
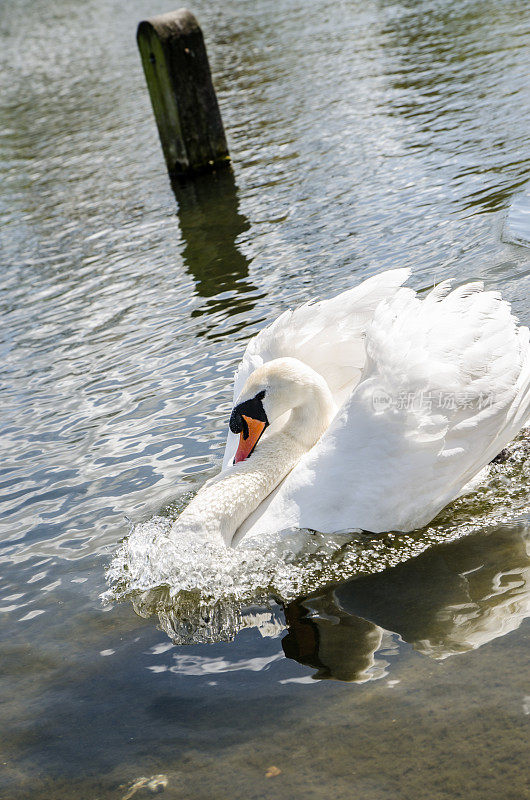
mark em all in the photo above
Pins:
pixel 364 136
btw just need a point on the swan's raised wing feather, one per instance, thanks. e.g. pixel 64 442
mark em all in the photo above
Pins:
pixel 328 335
pixel 445 387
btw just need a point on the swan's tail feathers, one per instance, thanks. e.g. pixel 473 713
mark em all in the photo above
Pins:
pixel 455 369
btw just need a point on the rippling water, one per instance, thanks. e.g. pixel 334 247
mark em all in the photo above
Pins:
pixel 363 136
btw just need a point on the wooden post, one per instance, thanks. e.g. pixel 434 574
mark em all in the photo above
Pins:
pixel 182 95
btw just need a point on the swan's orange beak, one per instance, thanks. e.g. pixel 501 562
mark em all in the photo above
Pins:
pixel 254 428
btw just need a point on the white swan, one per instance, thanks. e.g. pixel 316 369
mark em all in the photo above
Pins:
pixel 371 410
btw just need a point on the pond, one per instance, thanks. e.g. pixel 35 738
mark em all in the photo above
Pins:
pixel 364 136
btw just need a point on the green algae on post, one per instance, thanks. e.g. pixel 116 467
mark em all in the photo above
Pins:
pixel 180 85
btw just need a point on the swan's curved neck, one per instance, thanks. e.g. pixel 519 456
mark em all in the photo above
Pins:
pixel 224 502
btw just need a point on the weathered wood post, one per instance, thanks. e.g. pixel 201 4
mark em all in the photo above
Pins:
pixel 182 95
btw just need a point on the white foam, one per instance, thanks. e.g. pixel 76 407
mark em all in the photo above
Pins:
pixel 203 593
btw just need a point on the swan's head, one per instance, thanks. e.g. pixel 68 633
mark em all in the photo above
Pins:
pixel 272 390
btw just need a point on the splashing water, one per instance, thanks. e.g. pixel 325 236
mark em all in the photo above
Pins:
pixel 200 592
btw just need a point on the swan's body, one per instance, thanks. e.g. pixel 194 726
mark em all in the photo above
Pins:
pixel 376 409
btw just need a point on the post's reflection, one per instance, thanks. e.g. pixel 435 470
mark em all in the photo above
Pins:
pixel 452 599
pixel 210 221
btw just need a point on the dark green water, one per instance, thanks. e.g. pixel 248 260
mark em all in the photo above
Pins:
pixel 364 136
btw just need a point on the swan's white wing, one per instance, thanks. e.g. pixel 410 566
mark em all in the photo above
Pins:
pixel 327 335
pixel 446 386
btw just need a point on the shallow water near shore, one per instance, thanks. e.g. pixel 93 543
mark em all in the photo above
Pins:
pixel 364 136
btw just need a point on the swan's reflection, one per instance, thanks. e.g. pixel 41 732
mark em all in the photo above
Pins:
pixel 210 221
pixel 451 599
